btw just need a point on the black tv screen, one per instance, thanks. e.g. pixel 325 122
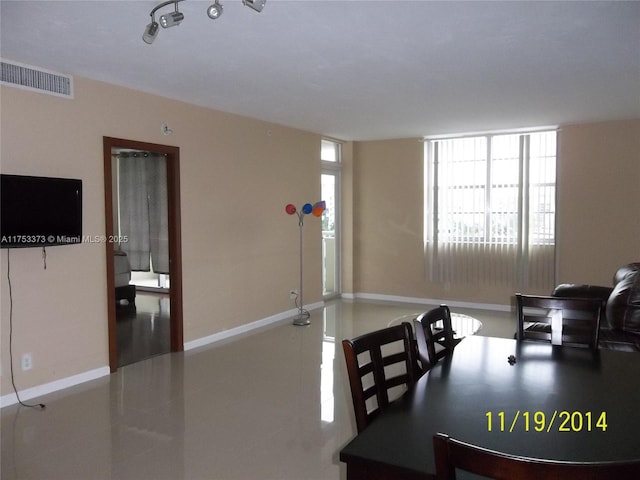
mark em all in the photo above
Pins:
pixel 39 211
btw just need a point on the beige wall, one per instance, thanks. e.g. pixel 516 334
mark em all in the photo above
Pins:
pixel 599 200
pixel 598 216
pixel 240 256
pixel 387 203
pixel 240 249
pixel 347 218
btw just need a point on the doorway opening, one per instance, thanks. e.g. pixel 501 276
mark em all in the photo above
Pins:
pixel 152 318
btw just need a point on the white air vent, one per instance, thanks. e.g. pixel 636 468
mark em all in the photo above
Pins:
pixel 37 79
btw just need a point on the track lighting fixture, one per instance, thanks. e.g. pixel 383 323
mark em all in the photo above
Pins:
pixel 215 10
pixel 167 20
pixel 257 5
pixel 175 18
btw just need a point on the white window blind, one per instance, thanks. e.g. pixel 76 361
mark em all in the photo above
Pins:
pixel 490 209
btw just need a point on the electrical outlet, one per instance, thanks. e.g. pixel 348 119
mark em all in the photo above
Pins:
pixel 293 294
pixel 27 361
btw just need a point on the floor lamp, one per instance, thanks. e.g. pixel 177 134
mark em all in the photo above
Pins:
pixel 302 318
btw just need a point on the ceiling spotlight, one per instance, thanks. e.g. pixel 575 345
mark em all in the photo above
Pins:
pixel 257 5
pixel 151 32
pixel 215 10
pixel 171 19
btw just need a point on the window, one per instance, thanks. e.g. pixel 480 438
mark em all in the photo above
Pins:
pixel 330 151
pixel 490 204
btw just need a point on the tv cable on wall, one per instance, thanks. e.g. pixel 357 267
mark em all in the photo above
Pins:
pixel 42 406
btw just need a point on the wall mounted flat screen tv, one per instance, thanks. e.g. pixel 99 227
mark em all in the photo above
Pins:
pixel 39 211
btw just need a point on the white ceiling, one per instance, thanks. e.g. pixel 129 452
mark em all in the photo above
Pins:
pixel 354 70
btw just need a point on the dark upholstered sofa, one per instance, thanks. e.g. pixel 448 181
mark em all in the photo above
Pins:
pixel 620 318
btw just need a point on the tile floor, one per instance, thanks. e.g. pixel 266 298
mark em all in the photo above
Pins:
pixel 274 404
pixel 144 328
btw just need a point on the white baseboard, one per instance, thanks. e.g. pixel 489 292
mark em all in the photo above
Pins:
pixel 242 329
pixel 54 386
pixel 74 380
pixel 427 301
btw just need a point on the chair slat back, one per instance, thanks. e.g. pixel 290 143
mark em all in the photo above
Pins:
pixel 434 335
pixel 561 321
pixel 388 359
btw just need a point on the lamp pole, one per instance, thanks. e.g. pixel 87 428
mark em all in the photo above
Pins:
pixel 302 318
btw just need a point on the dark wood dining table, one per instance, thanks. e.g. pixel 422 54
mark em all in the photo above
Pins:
pixel 525 398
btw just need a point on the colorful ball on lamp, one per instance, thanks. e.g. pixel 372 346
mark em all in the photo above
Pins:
pixel 307 208
pixel 319 208
pixel 290 209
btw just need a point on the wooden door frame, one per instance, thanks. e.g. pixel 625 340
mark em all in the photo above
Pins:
pixel 175 243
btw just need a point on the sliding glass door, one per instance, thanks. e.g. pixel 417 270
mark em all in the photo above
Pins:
pixel 330 191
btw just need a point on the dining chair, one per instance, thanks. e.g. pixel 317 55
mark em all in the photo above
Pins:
pixel 561 321
pixel 434 335
pixel 451 454
pixel 380 363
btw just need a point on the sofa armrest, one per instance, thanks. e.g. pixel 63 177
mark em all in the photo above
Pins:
pixel 623 307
